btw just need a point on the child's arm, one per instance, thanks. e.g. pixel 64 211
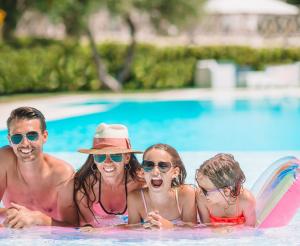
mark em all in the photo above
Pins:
pixel 202 208
pixel 248 207
pixel 187 198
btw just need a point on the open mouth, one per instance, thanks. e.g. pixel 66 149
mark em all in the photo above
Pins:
pixel 156 182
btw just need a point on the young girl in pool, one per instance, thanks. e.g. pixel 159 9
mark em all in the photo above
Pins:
pixel 221 198
pixel 166 200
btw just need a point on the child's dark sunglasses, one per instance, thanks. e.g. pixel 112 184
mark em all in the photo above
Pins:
pixel 113 157
pixel 163 166
pixel 18 138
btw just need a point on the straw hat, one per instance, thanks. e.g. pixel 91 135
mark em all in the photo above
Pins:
pixel 110 139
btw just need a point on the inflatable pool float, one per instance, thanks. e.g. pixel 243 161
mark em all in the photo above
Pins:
pixel 277 193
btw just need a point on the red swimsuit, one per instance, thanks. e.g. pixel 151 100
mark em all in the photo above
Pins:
pixel 227 220
pixel 237 220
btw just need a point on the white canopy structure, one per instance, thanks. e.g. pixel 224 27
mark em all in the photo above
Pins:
pixel 252 7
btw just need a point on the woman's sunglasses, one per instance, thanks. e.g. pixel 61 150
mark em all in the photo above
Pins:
pixel 18 138
pixel 163 166
pixel 113 157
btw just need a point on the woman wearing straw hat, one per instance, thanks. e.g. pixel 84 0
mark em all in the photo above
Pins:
pixel 110 172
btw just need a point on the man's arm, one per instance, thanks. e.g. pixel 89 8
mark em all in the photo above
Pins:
pixel 4 162
pixel 6 158
pixel 19 216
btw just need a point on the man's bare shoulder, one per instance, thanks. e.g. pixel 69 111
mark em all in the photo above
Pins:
pixel 59 167
pixel 7 156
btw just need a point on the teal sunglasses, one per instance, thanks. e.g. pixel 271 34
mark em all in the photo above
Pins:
pixel 18 138
pixel 113 157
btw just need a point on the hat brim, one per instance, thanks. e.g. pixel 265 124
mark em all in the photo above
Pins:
pixel 109 150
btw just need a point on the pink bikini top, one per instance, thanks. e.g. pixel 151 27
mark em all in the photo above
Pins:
pixel 104 217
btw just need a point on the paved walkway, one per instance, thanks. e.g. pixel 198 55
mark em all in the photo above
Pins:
pixel 58 107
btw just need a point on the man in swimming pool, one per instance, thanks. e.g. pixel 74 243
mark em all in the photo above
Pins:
pixel 35 188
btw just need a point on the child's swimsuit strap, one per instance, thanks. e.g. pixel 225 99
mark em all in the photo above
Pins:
pixel 177 201
pixel 144 201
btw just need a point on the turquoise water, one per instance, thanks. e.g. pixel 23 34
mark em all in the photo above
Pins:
pixel 242 125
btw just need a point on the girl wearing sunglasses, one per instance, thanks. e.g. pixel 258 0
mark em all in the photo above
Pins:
pixel 166 200
pixel 110 172
pixel 221 199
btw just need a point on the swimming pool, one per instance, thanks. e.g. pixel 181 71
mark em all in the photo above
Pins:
pixel 241 125
pixel 257 132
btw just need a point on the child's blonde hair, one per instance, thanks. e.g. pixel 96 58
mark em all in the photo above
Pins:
pixel 224 172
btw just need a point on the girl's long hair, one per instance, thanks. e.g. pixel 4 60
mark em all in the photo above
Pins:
pixel 87 177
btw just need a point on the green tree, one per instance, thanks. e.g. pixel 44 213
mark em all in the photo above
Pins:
pixel 14 9
pixel 295 2
pixel 75 15
pixel 162 13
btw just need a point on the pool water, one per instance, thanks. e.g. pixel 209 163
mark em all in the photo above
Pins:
pixel 199 236
pixel 257 133
pixel 242 125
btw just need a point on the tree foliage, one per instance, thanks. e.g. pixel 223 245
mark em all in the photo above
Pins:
pixel 75 15
pixel 14 9
pixel 295 2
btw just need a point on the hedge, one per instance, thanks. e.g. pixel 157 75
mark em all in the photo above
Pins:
pixel 47 65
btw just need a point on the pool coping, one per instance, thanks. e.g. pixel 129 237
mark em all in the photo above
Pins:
pixel 62 106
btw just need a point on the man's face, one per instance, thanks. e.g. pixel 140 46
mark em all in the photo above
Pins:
pixel 26 138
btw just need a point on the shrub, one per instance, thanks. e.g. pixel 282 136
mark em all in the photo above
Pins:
pixel 31 65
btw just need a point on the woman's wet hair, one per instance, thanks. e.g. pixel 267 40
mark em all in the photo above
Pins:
pixel 27 113
pixel 224 172
pixel 88 175
pixel 176 162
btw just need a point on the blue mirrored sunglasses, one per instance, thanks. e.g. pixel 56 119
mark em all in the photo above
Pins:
pixel 113 157
pixel 18 138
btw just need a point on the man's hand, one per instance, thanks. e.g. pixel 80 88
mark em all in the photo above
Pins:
pixel 154 219
pixel 18 217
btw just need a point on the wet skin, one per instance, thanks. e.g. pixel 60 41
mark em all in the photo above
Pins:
pixel 36 186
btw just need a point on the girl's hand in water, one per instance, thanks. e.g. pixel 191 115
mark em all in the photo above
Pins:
pixel 154 219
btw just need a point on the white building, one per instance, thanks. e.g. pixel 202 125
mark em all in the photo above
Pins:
pixel 266 17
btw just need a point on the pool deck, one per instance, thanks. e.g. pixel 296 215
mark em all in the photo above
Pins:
pixel 62 106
